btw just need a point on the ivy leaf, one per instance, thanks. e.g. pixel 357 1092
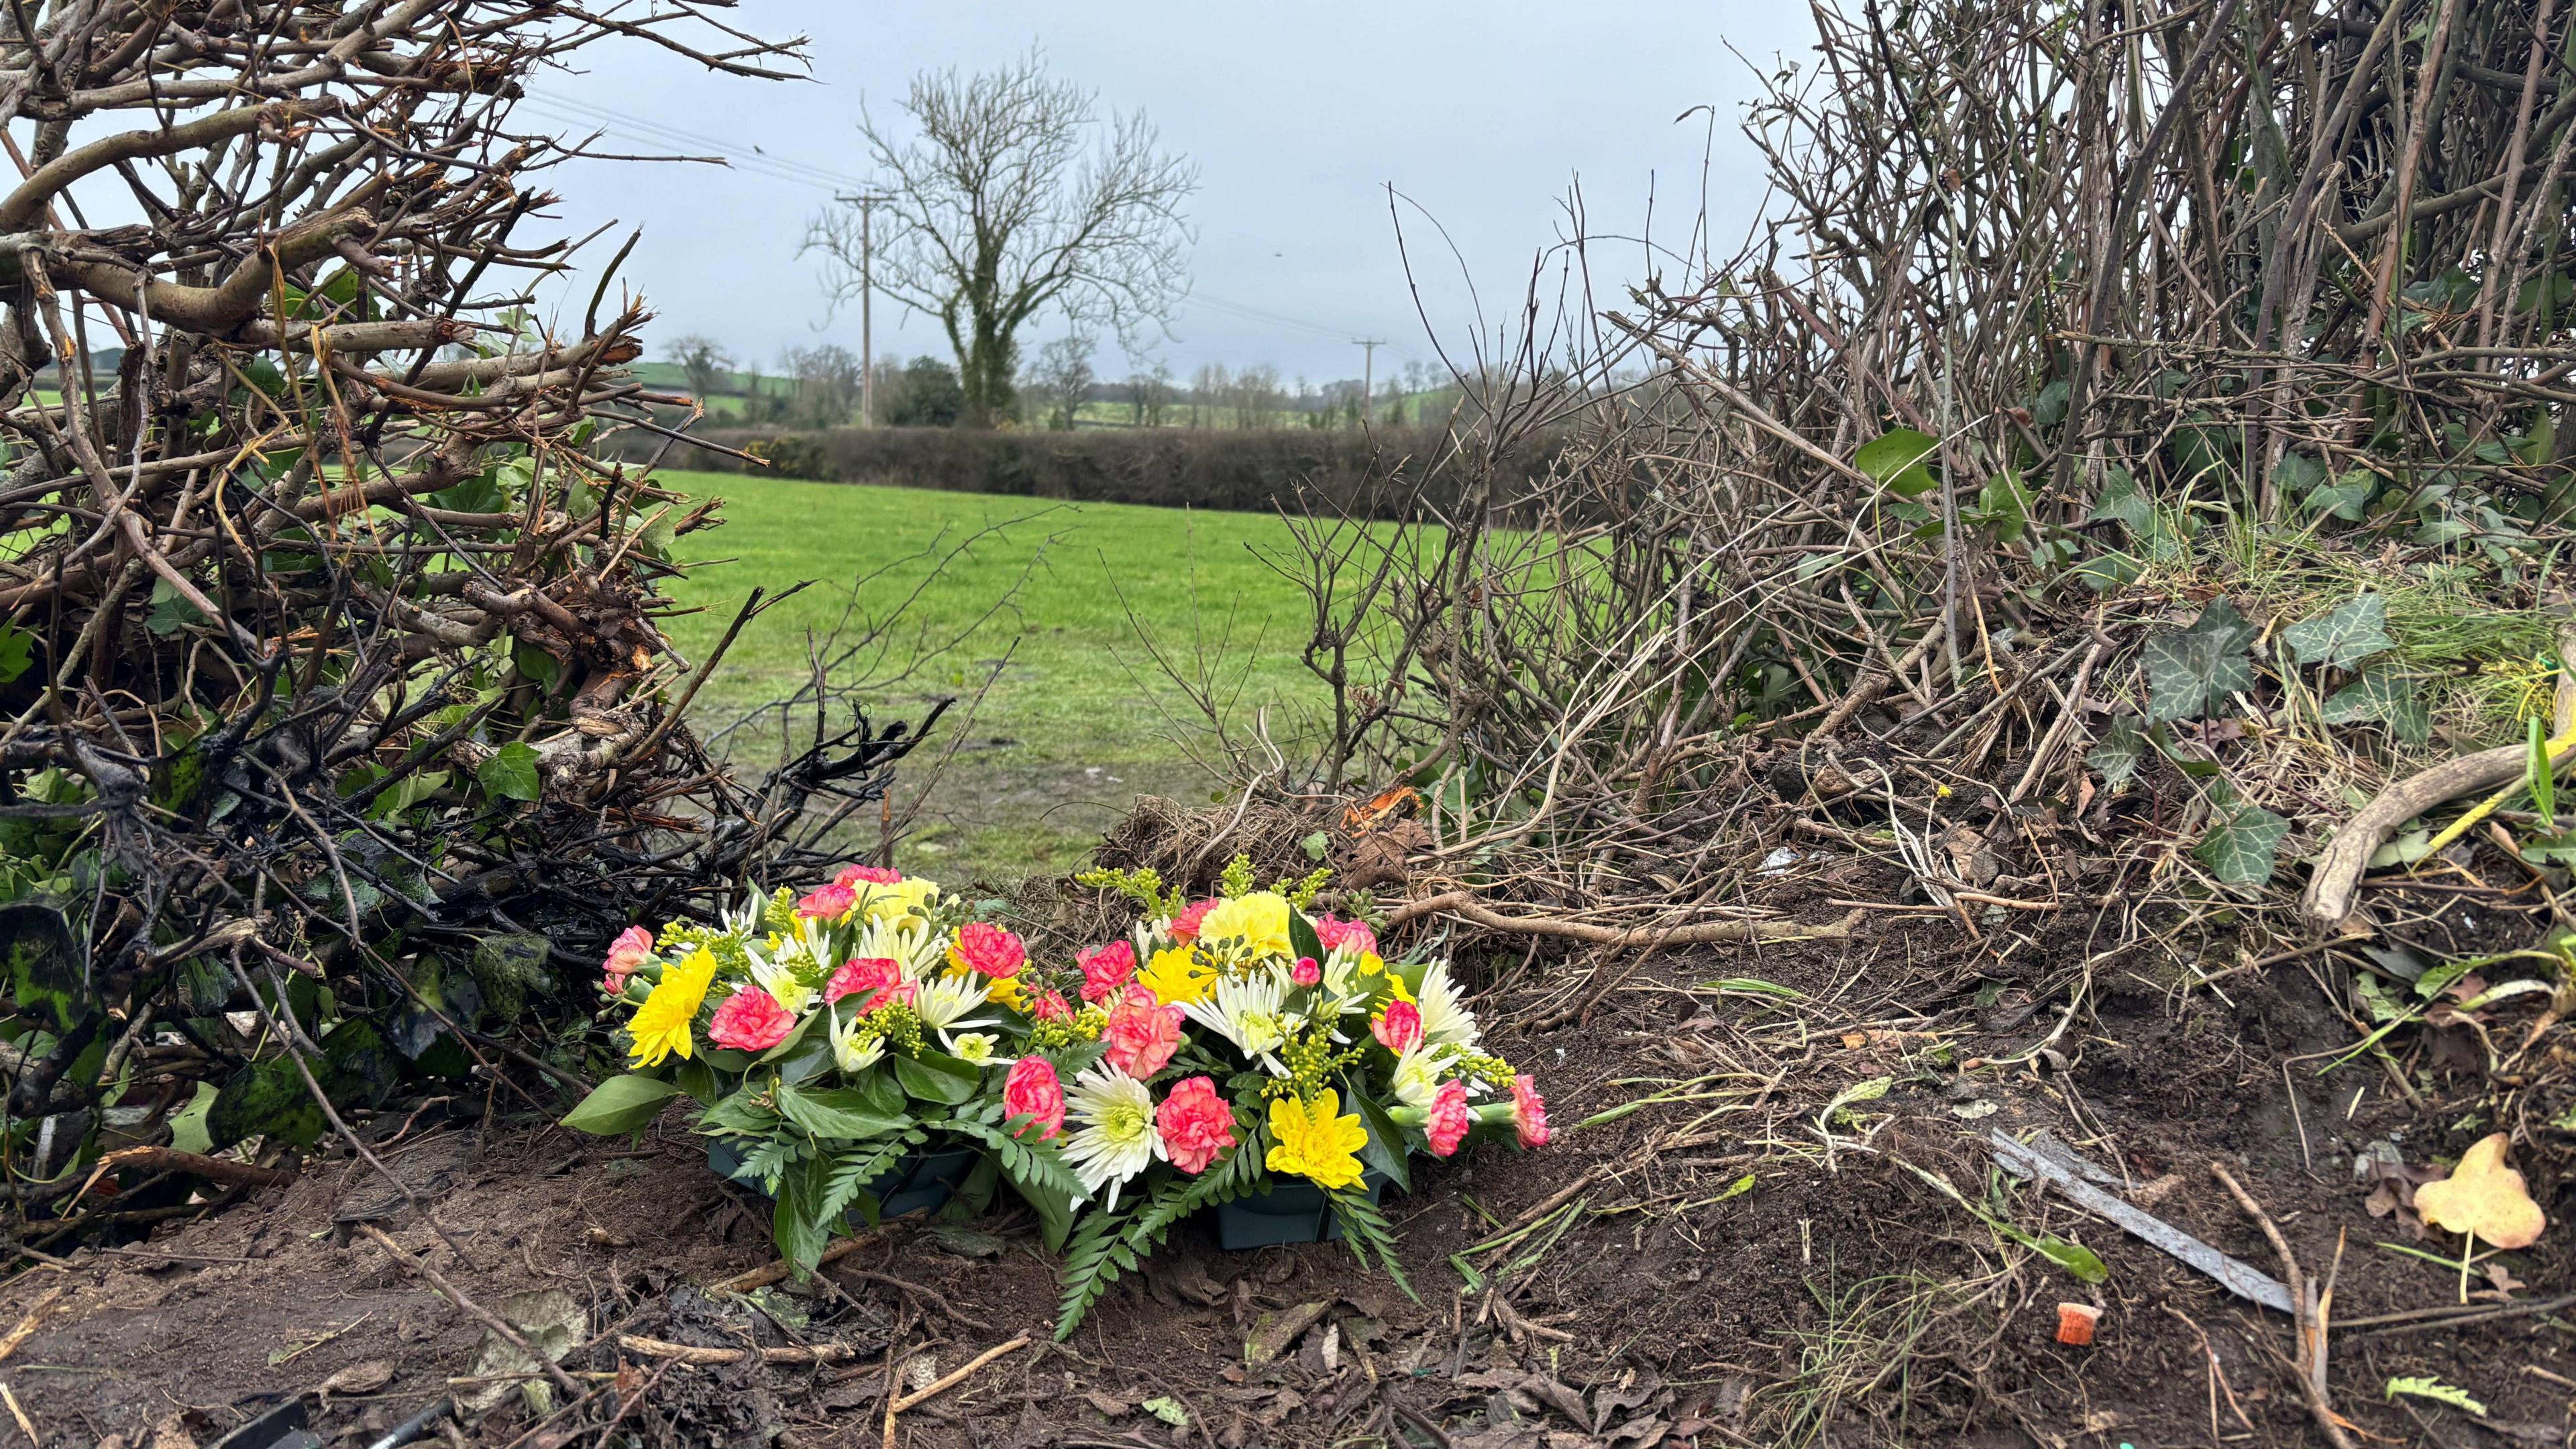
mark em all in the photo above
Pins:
pixel 511 773
pixel 2121 502
pixel 17 651
pixel 2241 848
pixel 2381 695
pixel 2353 632
pixel 2123 745
pixel 2191 671
pixel 2297 473
pixel 1895 459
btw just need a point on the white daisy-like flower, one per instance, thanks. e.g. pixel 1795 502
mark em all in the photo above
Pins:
pixel 1247 1009
pixel 974 1046
pixel 775 972
pixel 1117 1137
pixel 1418 1074
pixel 943 1001
pixel 1445 1017
pixel 909 943
pixel 853 1050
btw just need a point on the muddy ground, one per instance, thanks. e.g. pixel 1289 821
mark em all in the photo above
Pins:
pixel 1752 1259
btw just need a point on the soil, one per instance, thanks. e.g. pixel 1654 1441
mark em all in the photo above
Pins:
pixel 1756 1258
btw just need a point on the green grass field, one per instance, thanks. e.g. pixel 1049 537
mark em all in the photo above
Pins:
pixel 1079 718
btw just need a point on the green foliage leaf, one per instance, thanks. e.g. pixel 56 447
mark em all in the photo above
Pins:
pixel 2192 671
pixel 798 1221
pixel 2117 757
pixel 47 969
pixel 2297 473
pixel 835 1112
pixel 171 610
pixel 2355 630
pixel 17 651
pixel 1302 937
pixel 2429 1387
pixel 2241 846
pixel 2544 777
pixel 1384 1151
pixel 1896 459
pixel 2381 695
pixel 511 773
pixel 938 1077
pixel 2122 503
pixel 266 1098
pixel 620 1105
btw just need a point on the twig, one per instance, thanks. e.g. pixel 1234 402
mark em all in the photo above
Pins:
pixel 26 1328
pixel 768 1273
pixel 685 1353
pixel 26 1425
pixel 2310 1361
pixel 960 1375
pixel 490 1320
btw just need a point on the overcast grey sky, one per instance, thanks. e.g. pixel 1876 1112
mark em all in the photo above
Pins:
pixel 1484 114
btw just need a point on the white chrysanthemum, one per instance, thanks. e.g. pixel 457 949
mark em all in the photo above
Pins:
pixel 744 920
pixel 1118 1138
pixel 1418 1074
pixel 1445 1017
pixel 909 943
pixel 1247 1010
pixel 943 1002
pixel 853 1050
pixel 776 973
pixel 974 1046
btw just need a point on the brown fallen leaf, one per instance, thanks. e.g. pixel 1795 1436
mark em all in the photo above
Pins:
pixel 363 1377
pixel 2484 1197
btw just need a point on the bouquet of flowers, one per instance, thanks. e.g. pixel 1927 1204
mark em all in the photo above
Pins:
pixel 1242 1043
pixel 831 1037
pixel 1228 1049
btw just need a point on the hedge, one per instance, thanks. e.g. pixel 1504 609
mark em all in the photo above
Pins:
pixel 1166 467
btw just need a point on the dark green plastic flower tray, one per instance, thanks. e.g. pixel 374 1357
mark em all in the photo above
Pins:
pixel 919 1182
pixel 1292 1212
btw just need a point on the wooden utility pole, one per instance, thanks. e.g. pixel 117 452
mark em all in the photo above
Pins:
pixel 866 203
pixel 1368 373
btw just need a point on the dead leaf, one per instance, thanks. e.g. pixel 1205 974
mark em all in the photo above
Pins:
pixel 2484 1197
pixel 1274 1333
pixel 1559 1397
pixel 363 1377
pixel 1113 1407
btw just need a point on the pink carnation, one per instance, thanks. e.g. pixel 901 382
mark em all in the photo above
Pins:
pixel 1398 1028
pixel 632 948
pixel 830 903
pixel 1142 1033
pixel 751 1020
pixel 988 949
pixel 1033 1091
pixel 1306 972
pixel 1339 935
pixel 1106 969
pixel 1185 926
pixel 854 876
pixel 871 973
pixel 1196 1123
pixel 1051 1006
pixel 1529 1111
pixel 1449 1120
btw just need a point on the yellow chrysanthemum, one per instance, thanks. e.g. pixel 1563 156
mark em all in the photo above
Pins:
pixel 894 902
pixel 661 1024
pixel 1371 963
pixel 1314 1141
pixel 1177 977
pixel 1255 925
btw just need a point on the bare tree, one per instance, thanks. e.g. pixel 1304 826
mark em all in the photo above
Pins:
pixel 705 361
pixel 1016 197
pixel 827 383
pixel 1062 379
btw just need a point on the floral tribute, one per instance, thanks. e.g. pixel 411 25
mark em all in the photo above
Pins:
pixel 828 1036
pixel 1236 1045
pixel 1229 1047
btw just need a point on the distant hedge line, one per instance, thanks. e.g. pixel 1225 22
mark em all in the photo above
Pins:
pixel 1167 467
